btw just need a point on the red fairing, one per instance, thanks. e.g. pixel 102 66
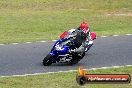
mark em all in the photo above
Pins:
pixel 93 35
pixel 63 35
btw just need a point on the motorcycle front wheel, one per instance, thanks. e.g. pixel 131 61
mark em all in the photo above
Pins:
pixel 47 60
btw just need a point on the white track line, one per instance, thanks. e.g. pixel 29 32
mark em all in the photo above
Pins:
pixel 115 35
pixel 128 34
pixel 14 43
pixel 65 71
pixel 128 65
pixel 2 44
pixel 28 42
pixel 104 36
pixel 56 40
pixel 42 41
pixel 105 67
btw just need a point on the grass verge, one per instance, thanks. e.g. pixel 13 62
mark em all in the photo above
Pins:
pixel 35 20
pixel 62 80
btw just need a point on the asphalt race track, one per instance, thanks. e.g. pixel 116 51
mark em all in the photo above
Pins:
pixel 25 58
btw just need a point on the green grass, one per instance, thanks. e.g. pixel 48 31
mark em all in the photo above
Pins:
pixel 34 20
pixel 62 80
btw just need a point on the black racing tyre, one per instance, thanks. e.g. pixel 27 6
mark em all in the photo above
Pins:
pixel 47 60
pixel 75 59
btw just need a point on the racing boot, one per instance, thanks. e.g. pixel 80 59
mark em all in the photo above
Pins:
pixel 88 45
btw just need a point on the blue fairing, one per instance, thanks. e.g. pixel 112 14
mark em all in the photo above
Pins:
pixel 64 49
pixel 57 42
pixel 60 41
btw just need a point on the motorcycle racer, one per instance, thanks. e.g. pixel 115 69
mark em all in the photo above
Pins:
pixel 88 43
pixel 71 46
pixel 84 31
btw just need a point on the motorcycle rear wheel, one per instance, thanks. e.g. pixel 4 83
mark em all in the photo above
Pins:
pixel 76 58
pixel 73 61
pixel 47 60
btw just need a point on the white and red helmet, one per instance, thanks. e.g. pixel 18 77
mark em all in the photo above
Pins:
pixel 84 27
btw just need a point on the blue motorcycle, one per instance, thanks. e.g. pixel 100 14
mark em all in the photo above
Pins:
pixel 63 52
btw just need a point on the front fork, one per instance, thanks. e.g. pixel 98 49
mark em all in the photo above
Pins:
pixel 54 57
